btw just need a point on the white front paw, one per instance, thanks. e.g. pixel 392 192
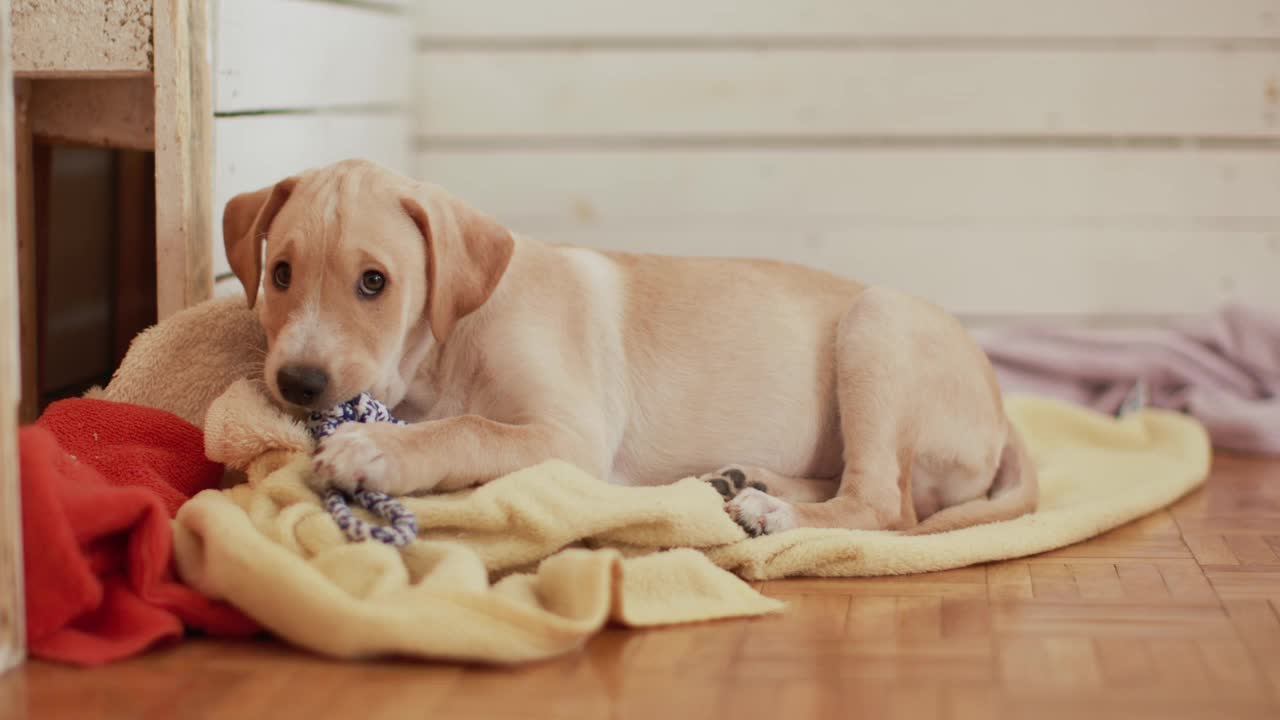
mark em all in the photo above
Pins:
pixel 351 458
pixel 761 514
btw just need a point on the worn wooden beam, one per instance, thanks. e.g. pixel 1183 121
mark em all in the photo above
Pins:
pixel 55 38
pixel 12 614
pixel 102 112
pixel 184 155
pixel 25 175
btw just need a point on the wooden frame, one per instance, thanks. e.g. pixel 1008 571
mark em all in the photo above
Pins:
pixel 103 112
pixel 135 78
pixel 12 613
pixel 184 155
pixel 156 95
pixel 27 301
pixel 144 85
pixel 68 37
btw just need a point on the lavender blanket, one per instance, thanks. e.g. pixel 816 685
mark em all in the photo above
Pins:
pixel 1224 371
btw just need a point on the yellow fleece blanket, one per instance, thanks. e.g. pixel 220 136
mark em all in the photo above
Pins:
pixel 533 564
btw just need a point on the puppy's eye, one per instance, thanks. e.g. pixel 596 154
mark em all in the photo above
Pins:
pixel 372 283
pixel 281 274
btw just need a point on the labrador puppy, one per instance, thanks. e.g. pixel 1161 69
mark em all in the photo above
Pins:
pixel 806 399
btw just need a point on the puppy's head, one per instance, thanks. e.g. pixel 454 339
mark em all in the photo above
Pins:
pixel 361 271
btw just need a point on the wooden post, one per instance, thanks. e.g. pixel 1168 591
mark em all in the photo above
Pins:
pixel 24 179
pixel 184 155
pixel 12 614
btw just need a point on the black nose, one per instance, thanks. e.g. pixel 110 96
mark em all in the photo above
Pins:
pixel 301 384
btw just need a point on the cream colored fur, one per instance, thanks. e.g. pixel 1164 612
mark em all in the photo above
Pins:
pixel 840 405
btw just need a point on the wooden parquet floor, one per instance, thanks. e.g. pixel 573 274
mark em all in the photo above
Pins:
pixel 1174 616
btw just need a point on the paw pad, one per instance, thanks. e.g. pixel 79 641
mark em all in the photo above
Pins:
pixel 731 480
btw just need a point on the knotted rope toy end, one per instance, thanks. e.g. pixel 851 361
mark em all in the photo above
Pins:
pixel 403 527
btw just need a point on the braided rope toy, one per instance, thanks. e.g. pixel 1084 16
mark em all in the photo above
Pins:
pixel 403 526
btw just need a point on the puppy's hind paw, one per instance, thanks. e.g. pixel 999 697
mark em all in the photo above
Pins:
pixel 731 480
pixel 761 514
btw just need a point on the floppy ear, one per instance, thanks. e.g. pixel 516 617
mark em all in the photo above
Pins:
pixel 467 253
pixel 245 223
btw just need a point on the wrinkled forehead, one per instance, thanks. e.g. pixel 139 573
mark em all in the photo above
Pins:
pixel 334 204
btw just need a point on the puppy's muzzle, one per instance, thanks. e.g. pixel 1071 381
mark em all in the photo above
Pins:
pixel 302 385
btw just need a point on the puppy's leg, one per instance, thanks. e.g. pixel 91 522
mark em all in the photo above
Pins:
pixel 445 454
pixel 915 393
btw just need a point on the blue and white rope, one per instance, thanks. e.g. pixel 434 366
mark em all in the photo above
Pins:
pixel 403 526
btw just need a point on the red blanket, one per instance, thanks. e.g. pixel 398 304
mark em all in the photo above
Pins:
pixel 100 482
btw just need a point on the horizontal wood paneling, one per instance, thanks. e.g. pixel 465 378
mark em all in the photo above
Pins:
pixel 851 18
pixel 985 233
pixel 259 150
pixel 288 54
pixel 843 92
pixel 226 286
pixel 1101 158
pixel 999 272
pixel 784 188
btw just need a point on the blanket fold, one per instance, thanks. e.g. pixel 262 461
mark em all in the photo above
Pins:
pixel 272 550
pixel 100 482
pixel 533 564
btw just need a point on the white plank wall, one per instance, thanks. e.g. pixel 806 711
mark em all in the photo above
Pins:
pixel 301 83
pixel 1136 232
pixel 594 20
pixel 796 189
pixel 837 92
pixel 298 54
pixel 1095 159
